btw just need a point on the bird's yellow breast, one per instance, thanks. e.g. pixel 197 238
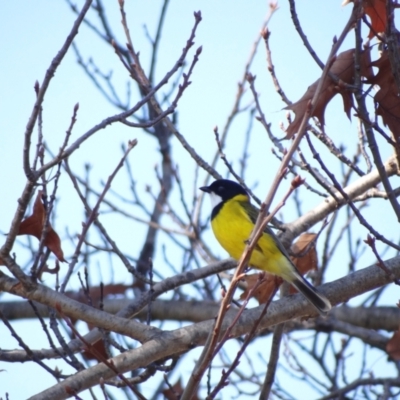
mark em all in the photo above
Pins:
pixel 232 227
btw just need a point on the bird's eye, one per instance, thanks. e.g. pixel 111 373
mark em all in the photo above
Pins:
pixel 221 189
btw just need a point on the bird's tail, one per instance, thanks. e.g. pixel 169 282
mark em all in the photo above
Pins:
pixel 319 301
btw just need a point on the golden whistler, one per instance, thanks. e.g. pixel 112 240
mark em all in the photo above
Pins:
pixel 232 220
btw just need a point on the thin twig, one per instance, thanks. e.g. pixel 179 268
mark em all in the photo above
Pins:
pixel 93 216
pixel 272 363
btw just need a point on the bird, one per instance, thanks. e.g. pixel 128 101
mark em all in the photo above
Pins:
pixel 232 221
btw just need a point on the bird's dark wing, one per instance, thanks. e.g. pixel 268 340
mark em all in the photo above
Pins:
pixel 253 212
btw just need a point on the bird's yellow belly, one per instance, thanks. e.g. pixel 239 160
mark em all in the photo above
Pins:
pixel 233 232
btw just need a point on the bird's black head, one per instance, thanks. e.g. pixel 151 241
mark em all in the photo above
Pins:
pixel 224 189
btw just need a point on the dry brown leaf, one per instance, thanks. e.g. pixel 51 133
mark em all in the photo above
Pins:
pixel 174 392
pixel 376 10
pixel 46 269
pixel 308 258
pixel 34 225
pixel 387 97
pixel 393 346
pixel 305 248
pixel 97 350
pixel 265 289
pixel 343 68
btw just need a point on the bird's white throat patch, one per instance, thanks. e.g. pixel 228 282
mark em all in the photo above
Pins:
pixel 215 199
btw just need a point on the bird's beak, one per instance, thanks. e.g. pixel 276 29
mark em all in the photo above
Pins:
pixel 205 189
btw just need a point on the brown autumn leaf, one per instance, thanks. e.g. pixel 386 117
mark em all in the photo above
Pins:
pixel 34 225
pixel 376 11
pixel 46 269
pixel 393 346
pixel 387 98
pixel 343 68
pixel 98 352
pixel 305 248
pixel 265 289
pixel 307 259
pixel 174 392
